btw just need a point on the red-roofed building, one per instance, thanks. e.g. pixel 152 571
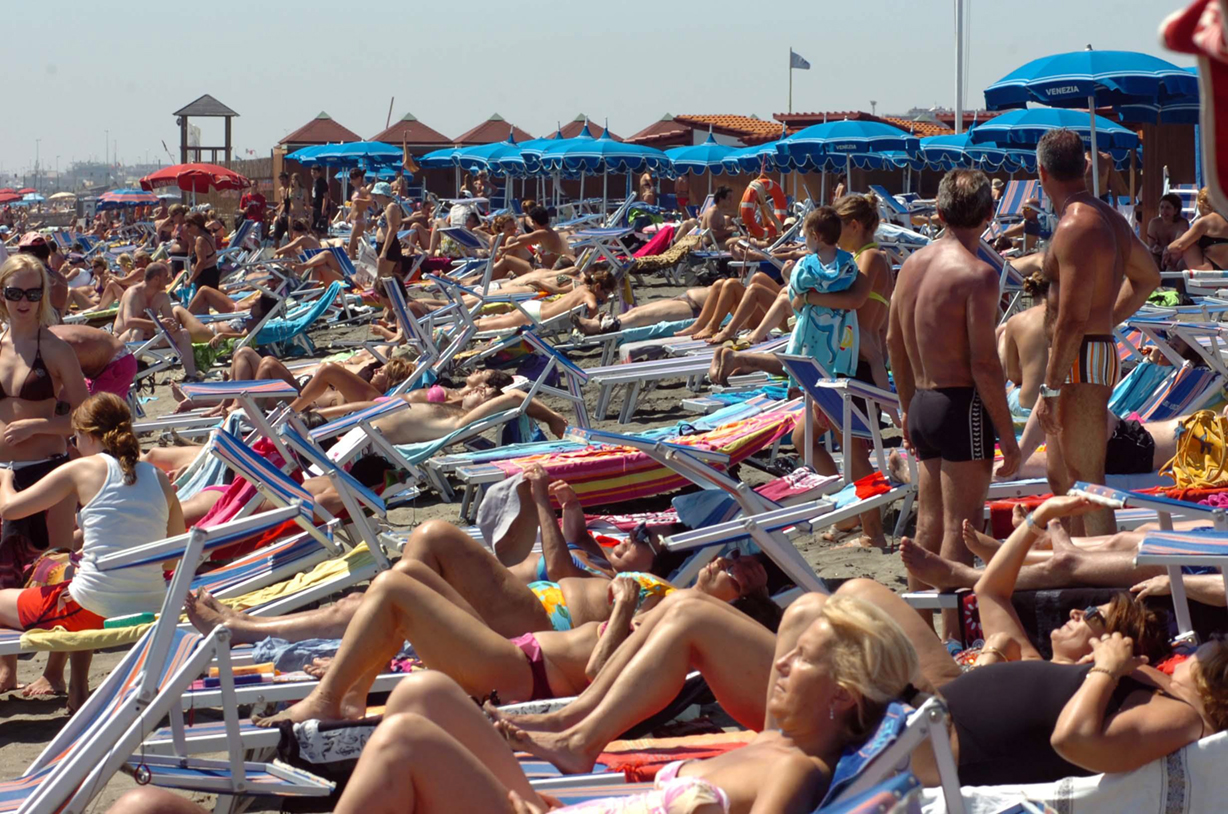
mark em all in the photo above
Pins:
pixel 574 127
pixel 323 129
pixel 409 130
pixel 731 129
pixel 494 129
pixel 920 129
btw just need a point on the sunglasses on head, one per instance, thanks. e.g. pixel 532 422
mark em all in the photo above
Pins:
pixel 14 294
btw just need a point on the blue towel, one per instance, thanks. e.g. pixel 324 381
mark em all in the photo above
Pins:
pixel 827 335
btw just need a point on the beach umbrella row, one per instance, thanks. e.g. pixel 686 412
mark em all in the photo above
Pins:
pixel 196 177
pixel 120 198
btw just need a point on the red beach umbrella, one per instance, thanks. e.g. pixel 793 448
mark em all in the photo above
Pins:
pixel 27 190
pixel 195 178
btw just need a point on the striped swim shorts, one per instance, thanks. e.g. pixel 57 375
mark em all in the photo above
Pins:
pixel 1097 362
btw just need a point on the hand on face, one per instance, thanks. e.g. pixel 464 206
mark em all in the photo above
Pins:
pixel 1115 653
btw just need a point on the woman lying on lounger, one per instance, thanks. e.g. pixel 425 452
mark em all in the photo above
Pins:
pixel 124 503
pixel 851 664
pixel 591 295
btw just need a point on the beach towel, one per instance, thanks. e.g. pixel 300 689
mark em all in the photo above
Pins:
pixel 827 335
pixel 1187 781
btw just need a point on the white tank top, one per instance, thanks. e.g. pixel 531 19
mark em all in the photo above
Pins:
pixel 120 517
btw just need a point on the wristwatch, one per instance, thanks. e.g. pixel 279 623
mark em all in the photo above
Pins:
pixel 1047 392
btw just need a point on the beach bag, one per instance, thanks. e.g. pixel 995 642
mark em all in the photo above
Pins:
pixel 1202 452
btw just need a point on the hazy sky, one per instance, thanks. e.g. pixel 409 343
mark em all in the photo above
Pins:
pixel 75 68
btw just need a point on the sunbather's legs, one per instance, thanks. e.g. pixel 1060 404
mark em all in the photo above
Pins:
pixel 412 764
pixel 325 267
pixel 355 236
pixel 153 800
pixel 752 308
pixel 727 298
pixel 502 322
pixel 477 578
pixel 398 608
pixel 111 294
pixel 777 316
pixel 728 363
pixel 509 265
pixel 351 386
pixel 196 329
pixel 205 612
pixel 964 486
pixel 821 459
pixel 1082 442
pixel 733 652
pixel 708 313
pixel 207 299
pixel 671 310
pixel 937 666
pixel 266 367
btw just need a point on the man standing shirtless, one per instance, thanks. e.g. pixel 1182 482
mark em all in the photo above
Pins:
pixel 131 324
pixel 943 355
pixel 1108 272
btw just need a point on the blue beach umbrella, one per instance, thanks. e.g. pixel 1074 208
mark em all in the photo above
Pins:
pixel 359 154
pixel 307 155
pixel 1091 79
pixel 32 197
pixel 813 145
pixel 700 159
pixel 603 155
pixel 441 159
pixel 1025 127
pixel 497 157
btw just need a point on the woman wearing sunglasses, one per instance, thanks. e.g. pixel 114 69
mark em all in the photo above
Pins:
pixel 40 384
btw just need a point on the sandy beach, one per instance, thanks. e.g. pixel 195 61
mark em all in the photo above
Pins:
pixel 27 725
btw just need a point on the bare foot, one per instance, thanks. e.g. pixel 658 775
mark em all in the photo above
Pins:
pixel 706 333
pixel 1018 515
pixel 832 535
pixel 44 688
pixel 897 467
pixel 315 707
pixel 205 612
pixel 532 722
pixel 982 545
pixel 559 748
pixel 933 569
pixel 867 542
pixel 184 406
pixel 722 336
pixel 318 667
pixel 716 371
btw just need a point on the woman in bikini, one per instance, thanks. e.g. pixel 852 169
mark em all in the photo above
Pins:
pixel 360 200
pixel 387 243
pixel 1165 228
pixel 205 271
pixel 40 384
pixel 1205 246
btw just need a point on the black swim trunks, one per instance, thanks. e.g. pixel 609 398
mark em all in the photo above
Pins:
pixel 950 423
pixel 1131 450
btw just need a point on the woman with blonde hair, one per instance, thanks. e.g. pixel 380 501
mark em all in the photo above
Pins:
pixel 124 503
pixel 1204 246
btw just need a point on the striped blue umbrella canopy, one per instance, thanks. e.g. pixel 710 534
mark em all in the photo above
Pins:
pixel 813 146
pixel 307 155
pixel 1103 78
pixel 531 151
pixel 1025 127
pixel 359 154
pixel 33 197
pixel 602 155
pixel 700 158
pixel 444 158
pixel 118 198
pixel 750 159
pixel 498 157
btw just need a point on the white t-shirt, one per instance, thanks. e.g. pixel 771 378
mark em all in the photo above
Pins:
pixel 120 517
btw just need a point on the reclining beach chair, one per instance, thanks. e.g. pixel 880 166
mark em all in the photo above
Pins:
pixel 100 738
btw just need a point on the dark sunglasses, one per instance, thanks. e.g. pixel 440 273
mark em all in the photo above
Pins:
pixel 216 231
pixel 1093 613
pixel 13 294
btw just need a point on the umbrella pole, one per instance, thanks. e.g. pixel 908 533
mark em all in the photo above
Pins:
pixel 1091 109
pixel 604 181
pixel 823 187
pixel 709 180
pixel 581 189
pixel 848 173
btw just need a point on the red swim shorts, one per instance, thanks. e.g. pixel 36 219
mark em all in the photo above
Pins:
pixel 115 378
pixel 51 606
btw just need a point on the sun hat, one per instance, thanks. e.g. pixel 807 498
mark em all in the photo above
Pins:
pixel 382 188
pixel 32 239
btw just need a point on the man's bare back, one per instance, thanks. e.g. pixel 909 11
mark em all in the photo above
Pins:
pixel 1025 353
pixel 933 290
pixel 1100 234
pixel 94 348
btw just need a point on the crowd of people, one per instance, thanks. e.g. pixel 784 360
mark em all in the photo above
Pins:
pixel 604 626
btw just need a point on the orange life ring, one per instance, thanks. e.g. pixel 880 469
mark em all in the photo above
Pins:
pixel 759 191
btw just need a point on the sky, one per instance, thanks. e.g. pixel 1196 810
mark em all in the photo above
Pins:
pixel 125 67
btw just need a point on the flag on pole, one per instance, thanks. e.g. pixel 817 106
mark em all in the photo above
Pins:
pixel 796 61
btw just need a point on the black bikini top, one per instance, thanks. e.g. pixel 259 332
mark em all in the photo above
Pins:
pixel 38 385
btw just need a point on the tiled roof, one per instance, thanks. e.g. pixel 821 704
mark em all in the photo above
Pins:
pixel 797 121
pixel 321 130
pixel 748 129
pixel 664 130
pixel 411 131
pixel 493 129
pixel 919 129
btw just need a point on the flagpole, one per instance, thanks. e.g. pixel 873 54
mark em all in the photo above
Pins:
pixel 790 78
